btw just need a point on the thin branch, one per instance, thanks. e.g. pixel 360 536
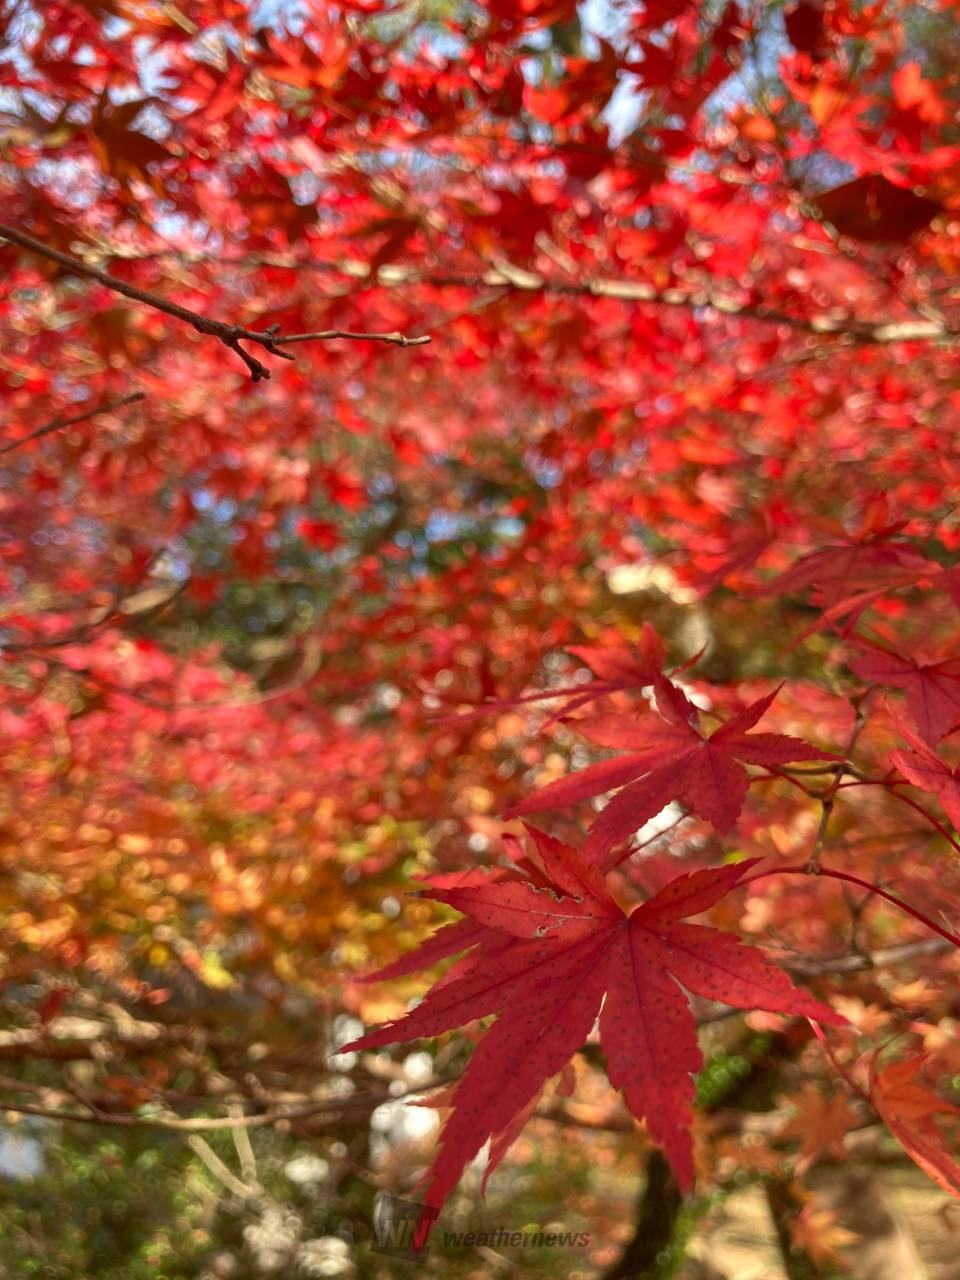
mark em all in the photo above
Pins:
pixel 828 799
pixel 22 1044
pixel 506 274
pixel 615 1124
pixel 397 339
pixel 858 961
pixel 197 1124
pixel 220 1171
pixel 244 1148
pixel 299 682
pixel 829 873
pixel 230 335
pixel 58 424
pixel 832 966
pixel 333 1107
pixel 508 277
pixel 114 612
pixel 892 785
pixel 821 1036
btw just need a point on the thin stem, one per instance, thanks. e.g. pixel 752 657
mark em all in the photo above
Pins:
pixel 210 1124
pixel 229 334
pixel 509 278
pixel 630 848
pixel 397 339
pixel 201 1124
pixel 830 874
pixel 245 1191
pixel 821 1036
pixel 829 796
pixel 798 771
pixel 58 424
pixel 892 786
pixel 774 774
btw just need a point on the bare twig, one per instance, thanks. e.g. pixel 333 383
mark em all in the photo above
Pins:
pixel 397 339
pixel 300 681
pixel 828 798
pixel 834 966
pixel 58 424
pixel 243 1190
pixel 241 1140
pixel 335 1108
pixel 230 335
pixel 192 1124
pixel 900 953
pixel 114 612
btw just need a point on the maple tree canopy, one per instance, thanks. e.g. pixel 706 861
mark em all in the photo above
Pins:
pixel 420 416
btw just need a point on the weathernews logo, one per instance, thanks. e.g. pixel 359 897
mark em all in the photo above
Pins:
pixel 401 1228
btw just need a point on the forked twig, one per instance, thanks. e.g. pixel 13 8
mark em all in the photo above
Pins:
pixel 231 335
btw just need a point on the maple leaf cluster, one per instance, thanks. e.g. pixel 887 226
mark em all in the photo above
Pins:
pixel 421 417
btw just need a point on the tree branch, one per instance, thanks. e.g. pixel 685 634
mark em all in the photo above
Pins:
pixel 245 1191
pixel 510 278
pixel 58 424
pixel 828 799
pixel 834 966
pixel 230 335
pixel 397 339
pixel 335 1108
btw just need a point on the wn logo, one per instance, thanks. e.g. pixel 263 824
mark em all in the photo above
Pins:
pixel 401 1228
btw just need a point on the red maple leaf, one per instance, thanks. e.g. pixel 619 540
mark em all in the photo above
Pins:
pixel 908 1108
pixel 925 769
pixel 547 959
pixel 669 759
pixel 932 688
pixel 858 568
pixel 806 29
pixel 320 533
pixel 451 939
pixel 875 210
pixel 616 668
